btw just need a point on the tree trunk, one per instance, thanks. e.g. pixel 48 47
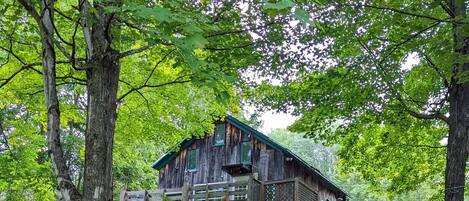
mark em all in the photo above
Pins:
pixel 65 188
pixel 457 151
pixel 102 92
pixel 102 81
pixel 458 147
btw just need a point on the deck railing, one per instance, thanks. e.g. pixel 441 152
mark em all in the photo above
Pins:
pixel 249 190
pixel 288 190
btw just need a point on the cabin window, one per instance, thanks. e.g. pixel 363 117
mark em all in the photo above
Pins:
pixel 219 136
pixel 192 159
pixel 245 137
pixel 246 152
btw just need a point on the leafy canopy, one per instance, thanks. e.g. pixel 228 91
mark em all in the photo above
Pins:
pixel 349 80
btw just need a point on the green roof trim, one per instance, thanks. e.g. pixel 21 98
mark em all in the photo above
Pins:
pixel 165 159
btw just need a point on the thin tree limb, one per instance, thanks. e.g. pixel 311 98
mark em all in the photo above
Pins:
pixel 418 146
pixel 63 14
pixel 157 64
pixel 10 51
pixel 230 48
pixel 397 94
pixel 399 11
pixel 176 81
pixel 438 71
pixel 134 51
pixel 24 67
pixel 408 39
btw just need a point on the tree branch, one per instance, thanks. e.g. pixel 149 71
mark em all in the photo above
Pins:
pixel 176 81
pixel 397 94
pixel 10 51
pixel 230 48
pixel 134 51
pixel 447 9
pixel 408 39
pixel 399 11
pixel 24 67
pixel 28 5
pixel 430 62
pixel 128 24
pixel 435 115
pixel 157 64
pixel 418 146
pixel 31 67
pixel 63 14
pixel 45 21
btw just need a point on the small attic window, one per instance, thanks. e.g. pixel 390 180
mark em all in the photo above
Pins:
pixel 245 156
pixel 192 159
pixel 219 136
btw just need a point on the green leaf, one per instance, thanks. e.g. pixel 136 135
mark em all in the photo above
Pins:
pixel 302 15
pixel 318 25
pixel 160 14
pixel 283 4
pixel 196 41
pixel 192 29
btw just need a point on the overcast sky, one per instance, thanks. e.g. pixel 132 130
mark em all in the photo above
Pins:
pixel 273 120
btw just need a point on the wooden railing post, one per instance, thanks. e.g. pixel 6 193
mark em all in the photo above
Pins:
pixel 206 192
pixel 123 195
pixel 261 191
pixel 145 196
pixel 249 188
pixel 297 191
pixel 185 192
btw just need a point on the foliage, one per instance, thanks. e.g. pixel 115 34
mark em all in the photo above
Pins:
pixel 350 82
pixel 252 119
pixel 25 172
pixel 317 155
pixel 337 64
pixel 325 159
pixel 180 62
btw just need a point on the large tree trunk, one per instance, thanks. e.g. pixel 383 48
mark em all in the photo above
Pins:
pixel 102 82
pixel 65 188
pixel 458 139
pixel 102 92
pixel 457 151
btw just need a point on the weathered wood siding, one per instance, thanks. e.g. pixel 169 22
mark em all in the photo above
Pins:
pixel 268 163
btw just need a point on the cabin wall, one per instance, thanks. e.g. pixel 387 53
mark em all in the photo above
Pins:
pixel 211 159
pixel 268 163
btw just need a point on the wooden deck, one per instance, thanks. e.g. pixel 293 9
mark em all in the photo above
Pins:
pixel 251 190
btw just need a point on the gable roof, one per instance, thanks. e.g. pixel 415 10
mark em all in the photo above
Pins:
pixel 165 159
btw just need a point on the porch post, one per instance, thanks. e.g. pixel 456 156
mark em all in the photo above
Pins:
pixel 296 186
pixel 185 192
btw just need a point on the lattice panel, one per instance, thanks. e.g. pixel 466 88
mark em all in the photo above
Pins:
pixel 305 193
pixel 280 192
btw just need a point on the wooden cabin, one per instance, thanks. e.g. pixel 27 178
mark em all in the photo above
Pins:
pixel 238 154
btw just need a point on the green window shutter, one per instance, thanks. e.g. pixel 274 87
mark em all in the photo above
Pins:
pixel 246 152
pixel 219 136
pixel 192 159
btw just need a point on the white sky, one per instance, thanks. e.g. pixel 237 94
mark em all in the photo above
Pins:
pixel 272 120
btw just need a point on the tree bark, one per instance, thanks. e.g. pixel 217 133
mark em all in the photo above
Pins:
pixel 66 190
pixel 458 143
pixel 103 70
pixel 457 151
